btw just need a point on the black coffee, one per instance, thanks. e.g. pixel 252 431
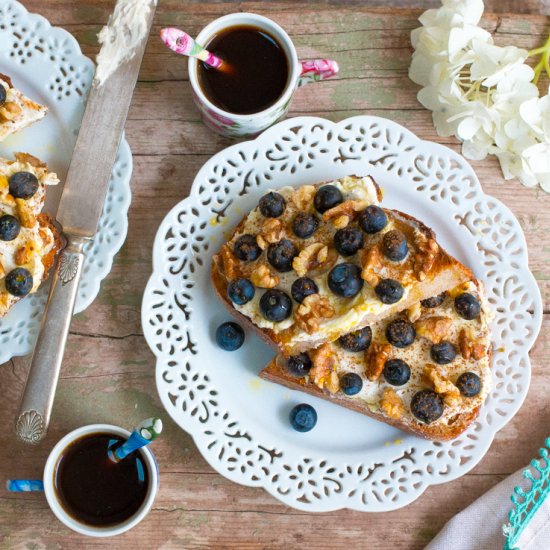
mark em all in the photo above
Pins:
pixel 93 489
pixel 259 70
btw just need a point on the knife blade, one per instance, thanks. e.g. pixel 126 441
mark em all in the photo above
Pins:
pixel 78 214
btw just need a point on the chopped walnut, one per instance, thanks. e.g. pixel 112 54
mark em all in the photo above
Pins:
pixel 10 110
pixel 302 198
pixel 341 222
pixel 391 404
pixel 23 254
pixel 424 258
pixel 468 346
pixel 442 385
pixel 463 287
pixel 414 312
pixel 323 372
pixel 375 358
pixel 311 311
pixel 271 232
pixel 229 263
pixel 45 236
pixel 372 264
pixel 310 257
pixel 433 328
pixel 346 209
pixel 263 278
pixel 30 159
pixel 26 217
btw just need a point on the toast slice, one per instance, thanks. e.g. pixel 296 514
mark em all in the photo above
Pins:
pixel 383 390
pixel 16 110
pixel 31 241
pixel 352 236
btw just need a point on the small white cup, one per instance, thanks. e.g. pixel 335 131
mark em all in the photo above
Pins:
pixel 74 524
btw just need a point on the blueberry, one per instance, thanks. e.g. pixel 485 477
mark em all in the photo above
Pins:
pixel 356 341
pixel 240 291
pixel 246 248
pixel 281 254
pixel 394 245
pixel 434 301
pixel 3 95
pixel 469 384
pixel 230 336
pixel 302 287
pixel 389 291
pixel 303 417
pixel 23 185
pixel 351 383
pixel 396 372
pixel 304 225
pixel 443 353
pixel 276 305
pixel 348 241
pixel 272 205
pixel 9 226
pixel 372 219
pixel 427 406
pixel 298 365
pixel 19 282
pixel 467 306
pixel 400 333
pixel 345 280
pixel 327 197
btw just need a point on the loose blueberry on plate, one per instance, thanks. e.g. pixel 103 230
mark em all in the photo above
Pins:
pixel 467 306
pixel 394 245
pixel 9 226
pixel 434 301
pixel 272 205
pixel 230 336
pixel 345 280
pixel 348 241
pixel 298 365
pixel 304 225
pixel 303 417
pixel 356 341
pixel 372 219
pixel 23 185
pixel 443 353
pixel 396 372
pixel 351 383
pixel 302 287
pixel 469 384
pixel 275 305
pixel 19 282
pixel 400 333
pixel 240 291
pixel 389 291
pixel 327 197
pixel 3 95
pixel 427 406
pixel 246 248
pixel 281 254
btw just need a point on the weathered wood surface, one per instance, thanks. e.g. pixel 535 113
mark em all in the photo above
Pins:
pixel 108 373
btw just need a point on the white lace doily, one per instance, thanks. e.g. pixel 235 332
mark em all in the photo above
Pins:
pixel 239 422
pixel 46 63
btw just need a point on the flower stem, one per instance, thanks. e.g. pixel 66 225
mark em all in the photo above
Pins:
pixel 544 62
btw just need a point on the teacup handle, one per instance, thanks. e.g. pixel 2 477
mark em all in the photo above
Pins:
pixel 314 70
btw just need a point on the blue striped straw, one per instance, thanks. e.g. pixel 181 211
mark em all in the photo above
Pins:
pixel 142 435
pixel 24 485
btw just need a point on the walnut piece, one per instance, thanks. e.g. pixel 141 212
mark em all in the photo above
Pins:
pixel 341 222
pixel 309 258
pixel 346 209
pixel 30 159
pixel 271 232
pixel 26 217
pixel 10 110
pixel 433 328
pixel 229 263
pixel 468 346
pixel 23 254
pixel 443 386
pixel 414 312
pixel 313 309
pixel 323 372
pixel 303 197
pixel 263 278
pixel 375 358
pixel 391 404
pixel 372 264
pixel 424 258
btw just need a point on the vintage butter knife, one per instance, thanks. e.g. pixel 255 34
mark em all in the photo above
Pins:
pixel 79 211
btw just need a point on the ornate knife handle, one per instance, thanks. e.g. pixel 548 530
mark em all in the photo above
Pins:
pixel 36 404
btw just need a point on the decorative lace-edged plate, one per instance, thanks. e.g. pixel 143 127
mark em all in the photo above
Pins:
pixel 239 422
pixel 47 64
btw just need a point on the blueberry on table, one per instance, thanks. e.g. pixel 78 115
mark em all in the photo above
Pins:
pixel 298 365
pixel 304 225
pixel 396 372
pixel 400 333
pixel 372 219
pixel 3 95
pixel 427 406
pixel 303 287
pixel 246 248
pixel 23 185
pixel 272 205
pixel 443 353
pixel 9 226
pixel 469 384
pixel 276 305
pixel 351 383
pixel 327 197
pixel 356 341
pixel 19 282
pixel 389 291
pixel 303 417
pixel 240 291
pixel 467 306
pixel 281 254
pixel 394 245
pixel 230 336
pixel 348 241
pixel 345 280
pixel 434 301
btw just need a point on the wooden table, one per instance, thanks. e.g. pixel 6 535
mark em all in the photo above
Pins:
pixel 108 372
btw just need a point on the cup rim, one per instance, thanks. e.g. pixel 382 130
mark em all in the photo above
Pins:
pixel 72 523
pixel 226 20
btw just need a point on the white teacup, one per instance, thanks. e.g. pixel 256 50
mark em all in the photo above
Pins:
pixel 70 521
pixel 300 73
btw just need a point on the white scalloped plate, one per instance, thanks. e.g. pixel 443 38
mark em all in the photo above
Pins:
pixel 239 422
pixel 46 63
